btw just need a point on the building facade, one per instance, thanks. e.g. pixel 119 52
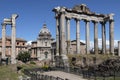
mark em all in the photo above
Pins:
pixel 20 46
pixel 44 48
pixel 41 48
pixel 72 47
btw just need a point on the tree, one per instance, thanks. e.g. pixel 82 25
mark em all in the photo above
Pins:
pixel 24 56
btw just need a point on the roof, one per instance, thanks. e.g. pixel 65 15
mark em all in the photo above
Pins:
pixel 44 30
pixel 80 42
pixel 54 42
pixel 34 41
pixel 17 39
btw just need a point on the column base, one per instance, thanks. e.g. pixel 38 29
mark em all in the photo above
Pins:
pixel 61 61
pixel 13 61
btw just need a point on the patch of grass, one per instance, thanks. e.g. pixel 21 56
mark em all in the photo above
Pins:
pixel 108 78
pixel 8 73
pixel 31 62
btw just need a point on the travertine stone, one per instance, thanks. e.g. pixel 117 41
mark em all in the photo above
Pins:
pixel 57 36
pixel 3 40
pixel 103 38
pixel 68 36
pixel 82 12
pixel 62 33
pixel 95 37
pixel 78 36
pixel 111 34
pixel 38 53
pixel 87 36
pixel 13 55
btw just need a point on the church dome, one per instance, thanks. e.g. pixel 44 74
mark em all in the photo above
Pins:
pixel 44 31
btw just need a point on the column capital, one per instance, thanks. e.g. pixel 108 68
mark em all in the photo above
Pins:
pixel 77 19
pixel 95 21
pixel 86 20
pixel 56 17
pixel 111 16
pixel 3 24
pixel 102 22
pixel 68 18
pixel 62 11
pixel 111 20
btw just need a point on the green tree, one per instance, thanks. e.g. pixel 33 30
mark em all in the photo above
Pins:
pixel 24 56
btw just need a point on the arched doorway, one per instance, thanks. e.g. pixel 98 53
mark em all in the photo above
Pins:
pixel 46 55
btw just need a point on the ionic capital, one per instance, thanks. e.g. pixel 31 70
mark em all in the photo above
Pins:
pixel 103 22
pixel 62 10
pixel 14 16
pixel 95 22
pixel 57 17
pixel 77 19
pixel 68 18
pixel 3 24
pixel 111 20
pixel 86 20
pixel 111 16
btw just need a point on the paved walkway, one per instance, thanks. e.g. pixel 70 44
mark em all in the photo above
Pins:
pixel 63 75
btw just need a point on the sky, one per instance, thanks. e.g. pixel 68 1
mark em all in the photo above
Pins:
pixel 34 13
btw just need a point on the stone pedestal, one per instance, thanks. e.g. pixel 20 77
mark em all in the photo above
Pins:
pixel 61 61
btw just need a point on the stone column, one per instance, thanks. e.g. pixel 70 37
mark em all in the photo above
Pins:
pixel 78 36
pixel 111 33
pixel 87 36
pixel 62 34
pixel 13 55
pixel 95 37
pixel 3 40
pixel 38 53
pixel 118 48
pixel 68 36
pixel 57 36
pixel 103 38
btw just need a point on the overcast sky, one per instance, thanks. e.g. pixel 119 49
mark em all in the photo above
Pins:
pixel 34 13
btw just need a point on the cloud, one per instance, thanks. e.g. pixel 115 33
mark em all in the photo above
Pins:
pixel 29 43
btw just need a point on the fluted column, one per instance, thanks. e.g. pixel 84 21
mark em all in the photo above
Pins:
pixel 95 37
pixel 62 34
pixel 78 36
pixel 13 55
pixel 111 33
pixel 38 53
pixel 103 38
pixel 3 40
pixel 68 36
pixel 57 36
pixel 87 36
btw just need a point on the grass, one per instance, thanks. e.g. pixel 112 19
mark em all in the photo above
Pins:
pixel 8 72
pixel 109 78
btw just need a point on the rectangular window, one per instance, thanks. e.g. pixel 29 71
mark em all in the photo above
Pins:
pixel 45 43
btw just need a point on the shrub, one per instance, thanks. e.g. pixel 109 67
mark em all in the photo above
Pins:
pixel 31 62
pixel 24 56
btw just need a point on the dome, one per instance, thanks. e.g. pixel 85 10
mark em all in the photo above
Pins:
pixel 44 30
